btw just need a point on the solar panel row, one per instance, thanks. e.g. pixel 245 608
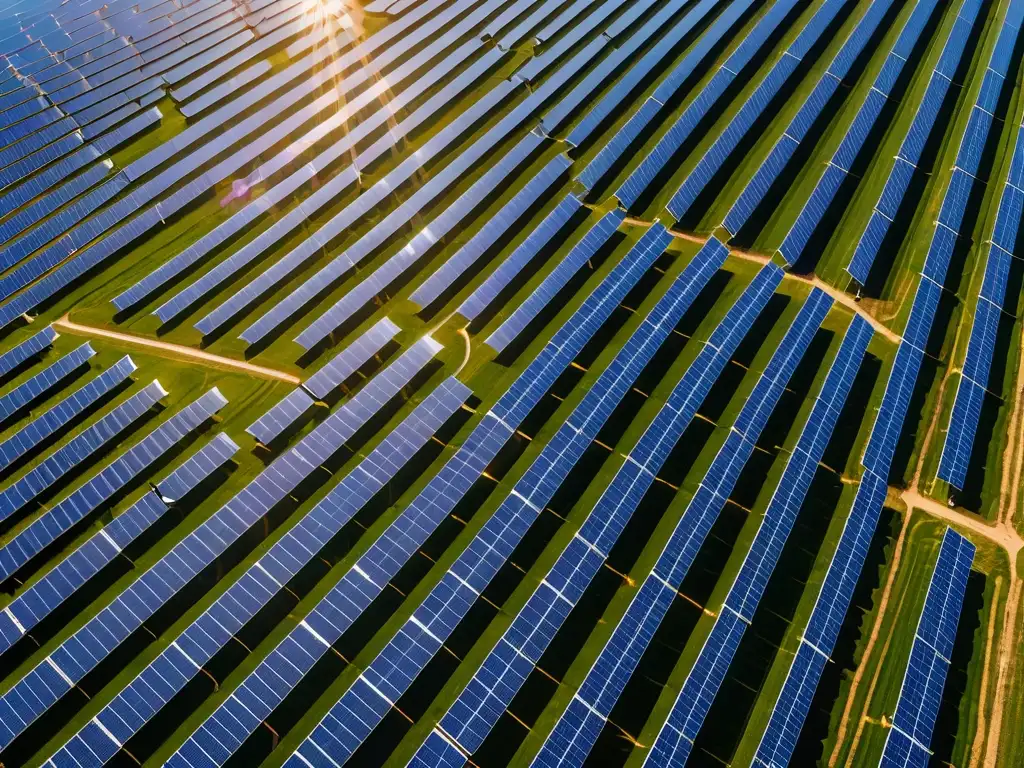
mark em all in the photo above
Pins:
pixel 14 358
pixel 577 729
pixel 909 154
pixel 198 643
pixel 502 673
pixel 117 476
pixel 24 613
pixel 814 105
pixel 581 253
pixel 57 418
pixel 974 377
pixel 762 99
pixel 909 738
pixel 653 163
pixel 198 550
pixel 675 741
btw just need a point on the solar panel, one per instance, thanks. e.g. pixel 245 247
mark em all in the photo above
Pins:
pixel 650 167
pixel 57 418
pixel 42 383
pixel 322 383
pixel 268 576
pixel 32 346
pixel 677 735
pixel 915 139
pixel 811 215
pixel 581 253
pixel 577 729
pixel 98 638
pixel 497 227
pixel 910 736
pixel 75 570
pixel 115 477
pixel 502 277
pixel 281 417
pixel 790 710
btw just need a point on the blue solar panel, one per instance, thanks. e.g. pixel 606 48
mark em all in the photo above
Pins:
pixel 54 420
pixel 790 711
pixel 591 243
pixel 498 226
pixel 759 184
pixel 921 692
pixel 84 650
pixel 42 383
pixel 812 213
pixel 51 591
pixel 515 262
pixel 32 346
pixel 115 477
pixel 343 365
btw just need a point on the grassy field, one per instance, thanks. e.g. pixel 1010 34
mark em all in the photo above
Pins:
pixel 847 724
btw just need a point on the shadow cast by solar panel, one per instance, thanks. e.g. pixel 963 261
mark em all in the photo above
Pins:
pixel 166 460
pixel 745 147
pixel 761 646
pixel 82 470
pixel 881 268
pixel 635 151
pixel 24 366
pixel 111 573
pixel 50 393
pixel 957 699
pixel 851 418
pixel 284 602
pixel 559 301
pixel 831 689
pixel 916 420
pixel 526 274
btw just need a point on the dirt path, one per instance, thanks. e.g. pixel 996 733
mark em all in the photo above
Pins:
pixel 465 357
pixel 859 674
pixel 176 350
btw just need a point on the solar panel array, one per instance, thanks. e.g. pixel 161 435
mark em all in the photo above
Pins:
pixel 289 191
pixel 918 134
pixel 974 377
pixel 910 737
pixel 816 102
pixel 675 741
